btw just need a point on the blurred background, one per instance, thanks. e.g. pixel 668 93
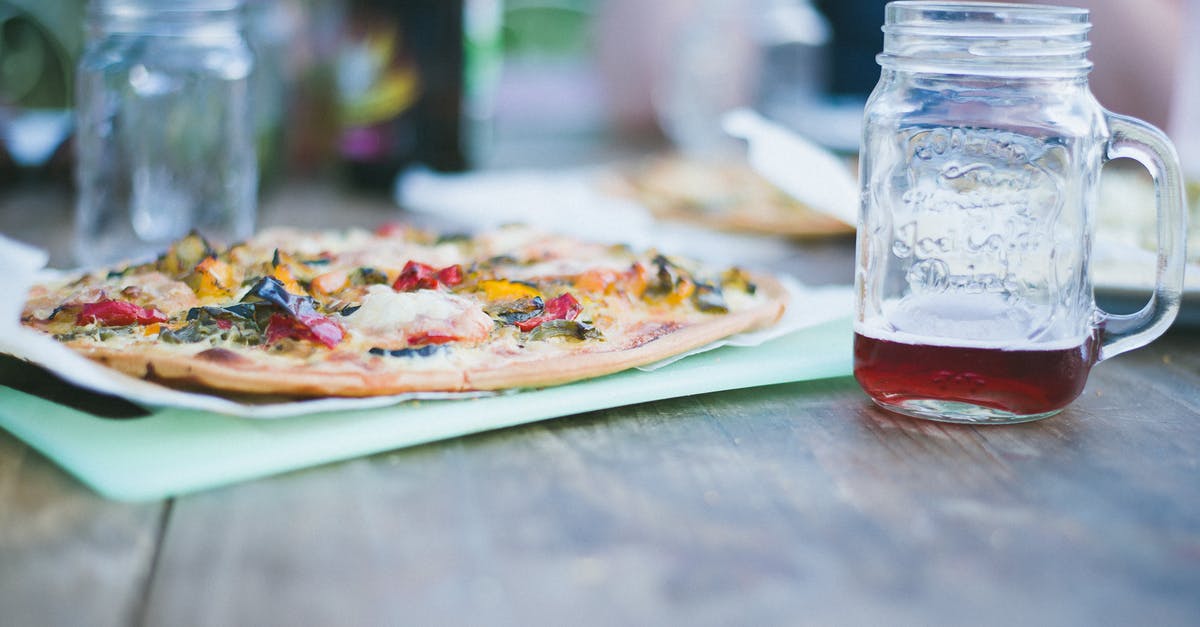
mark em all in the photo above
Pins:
pixel 354 91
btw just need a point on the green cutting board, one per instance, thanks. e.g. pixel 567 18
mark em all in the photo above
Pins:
pixel 174 451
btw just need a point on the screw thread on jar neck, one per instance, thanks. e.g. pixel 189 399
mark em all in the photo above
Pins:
pixel 990 39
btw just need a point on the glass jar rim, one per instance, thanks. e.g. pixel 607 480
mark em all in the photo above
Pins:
pixel 999 39
pixel 1033 11
pixel 149 8
pixel 984 18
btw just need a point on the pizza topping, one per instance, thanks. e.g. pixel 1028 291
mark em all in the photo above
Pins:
pixel 420 276
pixel 117 313
pixel 598 280
pixel 238 323
pixel 669 282
pixel 392 229
pixel 514 311
pixel 431 337
pixel 185 254
pixel 401 319
pixel 299 308
pixel 282 326
pixel 505 290
pixel 738 278
pixel 420 351
pixel 383 308
pixel 368 276
pixel 568 329
pixel 563 307
pixel 281 270
pixel 709 299
pixel 211 279
pixel 329 283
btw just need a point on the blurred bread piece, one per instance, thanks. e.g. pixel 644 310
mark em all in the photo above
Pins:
pixel 722 194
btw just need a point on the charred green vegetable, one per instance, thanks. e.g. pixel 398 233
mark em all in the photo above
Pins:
pixel 367 276
pixel 567 329
pixel 242 323
pixel 736 278
pixel 665 278
pixel 709 299
pixel 415 351
pixel 517 310
pixel 185 254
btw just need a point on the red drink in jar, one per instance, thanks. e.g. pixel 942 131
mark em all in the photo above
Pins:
pixel 1034 380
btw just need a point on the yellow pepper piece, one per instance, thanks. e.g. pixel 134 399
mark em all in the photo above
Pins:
pixel 329 283
pixel 211 279
pixel 683 291
pixel 501 289
pixel 284 274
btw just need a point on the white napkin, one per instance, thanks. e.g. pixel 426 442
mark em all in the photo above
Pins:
pixel 802 169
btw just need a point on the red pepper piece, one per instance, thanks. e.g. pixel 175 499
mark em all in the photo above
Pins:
pixel 450 275
pixel 431 337
pixel 416 276
pixel 314 328
pixel 118 313
pixel 564 307
pixel 421 276
pixel 391 229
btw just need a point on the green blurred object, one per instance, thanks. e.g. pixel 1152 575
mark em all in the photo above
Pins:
pixel 554 28
pixel 39 43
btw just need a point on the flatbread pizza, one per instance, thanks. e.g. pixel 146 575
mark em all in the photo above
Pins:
pixel 397 310
pixel 725 195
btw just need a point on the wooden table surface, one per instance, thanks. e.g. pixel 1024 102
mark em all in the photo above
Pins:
pixel 795 504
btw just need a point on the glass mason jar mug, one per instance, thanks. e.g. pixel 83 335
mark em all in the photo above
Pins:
pixel 165 141
pixel 982 149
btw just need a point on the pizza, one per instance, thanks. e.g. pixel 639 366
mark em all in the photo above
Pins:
pixel 723 194
pixel 396 310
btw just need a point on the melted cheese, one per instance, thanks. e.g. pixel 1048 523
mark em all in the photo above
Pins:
pixel 387 318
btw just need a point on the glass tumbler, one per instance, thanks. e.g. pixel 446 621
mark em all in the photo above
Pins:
pixel 982 148
pixel 165 140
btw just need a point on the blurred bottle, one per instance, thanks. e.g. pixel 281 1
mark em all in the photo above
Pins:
pixel 271 28
pixel 714 69
pixel 484 59
pixel 165 139
pixel 793 39
pixel 765 54
pixel 399 81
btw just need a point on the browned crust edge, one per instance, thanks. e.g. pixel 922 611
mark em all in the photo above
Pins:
pixel 798 225
pixel 253 377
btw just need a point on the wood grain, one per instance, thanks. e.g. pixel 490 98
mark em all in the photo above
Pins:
pixel 793 503
pixel 68 557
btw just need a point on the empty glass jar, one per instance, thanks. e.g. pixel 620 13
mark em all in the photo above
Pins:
pixel 165 140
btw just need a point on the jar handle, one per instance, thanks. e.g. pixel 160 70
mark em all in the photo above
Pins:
pixel 1134 139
